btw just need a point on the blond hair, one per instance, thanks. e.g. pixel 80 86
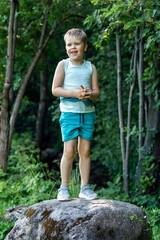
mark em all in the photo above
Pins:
pixel 76 32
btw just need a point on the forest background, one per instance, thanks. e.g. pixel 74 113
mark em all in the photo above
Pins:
pixel 124 44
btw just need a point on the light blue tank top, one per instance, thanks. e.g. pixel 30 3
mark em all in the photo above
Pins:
pixel 75 76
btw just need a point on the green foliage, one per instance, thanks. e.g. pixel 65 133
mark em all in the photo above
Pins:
pixel 28 180
pixel 75 182
pixel 127 16
pixel 5 228
pixel 106 146
pixel 154 221
pixel 124 18
pixel 147 178
pixel 114 191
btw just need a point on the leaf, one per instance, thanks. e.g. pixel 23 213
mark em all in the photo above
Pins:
pixel 113 9
pixel 95 2
pixel 154 12
pixel 88 21
pixel 133 23
pixel 158 25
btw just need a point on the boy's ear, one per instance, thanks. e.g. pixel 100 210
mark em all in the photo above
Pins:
pixel 85 47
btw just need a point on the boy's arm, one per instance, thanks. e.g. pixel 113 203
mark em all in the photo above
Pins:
pixel 95 93
pixel 95 86
pixel 58 90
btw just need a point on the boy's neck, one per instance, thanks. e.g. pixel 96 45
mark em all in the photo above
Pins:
pixel 77 63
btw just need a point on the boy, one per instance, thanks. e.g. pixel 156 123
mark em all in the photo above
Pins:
pixel 76 83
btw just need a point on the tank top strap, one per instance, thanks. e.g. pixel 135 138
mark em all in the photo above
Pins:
pixel 88 65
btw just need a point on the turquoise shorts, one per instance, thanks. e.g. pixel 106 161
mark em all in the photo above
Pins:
pixel 77 124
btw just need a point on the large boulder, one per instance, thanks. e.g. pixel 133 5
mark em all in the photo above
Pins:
pixel 13 214
pixel 81 219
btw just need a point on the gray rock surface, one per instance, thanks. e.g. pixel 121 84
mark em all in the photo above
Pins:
pixel 81 219
pixel 13 214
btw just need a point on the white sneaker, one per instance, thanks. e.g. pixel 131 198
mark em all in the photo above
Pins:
pixel 63 193
pixel 87 193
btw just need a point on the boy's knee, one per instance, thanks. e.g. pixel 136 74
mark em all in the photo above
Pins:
pixel 70 152
pixel 84 152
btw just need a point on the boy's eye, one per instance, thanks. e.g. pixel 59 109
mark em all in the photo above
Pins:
pixel 70 44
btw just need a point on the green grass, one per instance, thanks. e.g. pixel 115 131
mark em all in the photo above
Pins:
pixel 5 228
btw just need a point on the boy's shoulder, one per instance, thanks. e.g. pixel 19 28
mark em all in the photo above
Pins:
pixel 62 63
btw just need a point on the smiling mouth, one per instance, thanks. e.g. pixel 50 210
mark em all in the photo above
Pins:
pixel 74 52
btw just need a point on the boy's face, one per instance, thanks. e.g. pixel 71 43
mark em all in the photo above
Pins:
pixel 75 49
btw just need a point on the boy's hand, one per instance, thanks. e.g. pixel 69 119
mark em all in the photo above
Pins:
pixel 88 93
pixel 79 93
pixel 82 93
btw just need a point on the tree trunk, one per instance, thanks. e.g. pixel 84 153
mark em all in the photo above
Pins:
pixel 132 87
pixel 156 154
pixel 120 112
pixel 156 147
pixel 141 106
pixel 152 139
pixel 5 110
pixel 152 124
pixel 152 142
pixel 40 124
pixel 11 93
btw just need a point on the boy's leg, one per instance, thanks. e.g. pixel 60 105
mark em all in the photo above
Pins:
pixel 84 159
pixel 84 165
pixel 69 151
